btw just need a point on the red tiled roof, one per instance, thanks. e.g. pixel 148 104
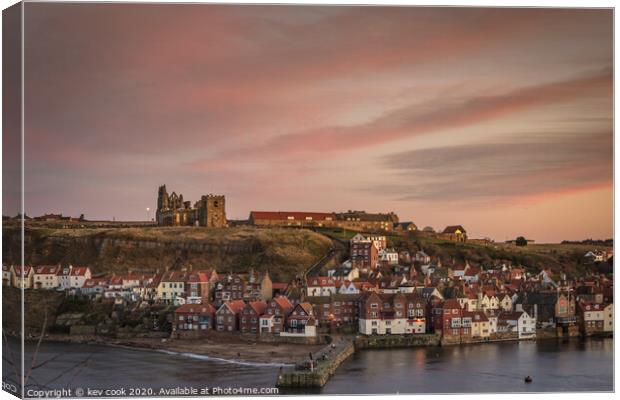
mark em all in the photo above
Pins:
pixel 18 270
pixel 89 283
pixel 258 307
pixel 307 307
pixel 321 281
pixel 477 316
pixel 283 302
pixel 173 276
pixel 46 269
pixel 297 215
pixel 207 309
pixel 78 271
pixel 198 276
pixel 235 305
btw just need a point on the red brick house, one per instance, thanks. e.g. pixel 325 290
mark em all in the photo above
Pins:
pixel 272 321
pixel 364 255
pixel 250 316
pixel 198 285
pixel 227 316
pixel 230 287
pixel 190 317
pixel 301 321
pixel 450 321
pixel 336 310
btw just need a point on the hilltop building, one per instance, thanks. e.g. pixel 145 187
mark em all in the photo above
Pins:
pixel 209 211
pixel 456 233
pixel 352 220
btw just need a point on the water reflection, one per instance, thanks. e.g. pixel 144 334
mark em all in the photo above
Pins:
pixel 492 367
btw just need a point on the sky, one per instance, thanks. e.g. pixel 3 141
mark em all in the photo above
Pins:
pixel 496 119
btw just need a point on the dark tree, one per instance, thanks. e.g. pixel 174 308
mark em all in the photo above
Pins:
pixel 521 241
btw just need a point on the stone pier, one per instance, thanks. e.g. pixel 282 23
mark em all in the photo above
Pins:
pixel 316 372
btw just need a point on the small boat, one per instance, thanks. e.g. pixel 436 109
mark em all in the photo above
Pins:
pixel 528 379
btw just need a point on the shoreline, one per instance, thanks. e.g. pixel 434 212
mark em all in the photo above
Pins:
pixel 236 351
pixel 231 351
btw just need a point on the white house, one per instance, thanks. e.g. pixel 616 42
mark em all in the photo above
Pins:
pixel 320 286
pixel 171 286
pixel 64 278
pixel 488 302
pixel 22 280
pixel 78 276
pixel 388 256
pixel 505 302
pixel 518 322
pixel 45 276
pixel 347 287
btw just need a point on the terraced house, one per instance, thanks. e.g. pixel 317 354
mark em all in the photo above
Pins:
pixel 250 316
pixel 300 322
pixel 591 317
pixel 45 277
pixel 272 321
pixel 387 314
pixel 22 276
pixel 451 322
pixel 228 316
pixel 171 287
pixel 194 317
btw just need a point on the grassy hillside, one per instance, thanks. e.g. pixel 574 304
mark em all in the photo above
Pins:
pixel 567 258
pixel 284 252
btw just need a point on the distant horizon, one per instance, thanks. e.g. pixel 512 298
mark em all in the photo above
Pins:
pixel 86 219
pixel 497 119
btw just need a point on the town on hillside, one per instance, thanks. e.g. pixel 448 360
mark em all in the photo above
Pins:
pixel 372 289
pixel 376 291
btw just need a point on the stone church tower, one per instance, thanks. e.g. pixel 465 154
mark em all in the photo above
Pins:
pixel 209 211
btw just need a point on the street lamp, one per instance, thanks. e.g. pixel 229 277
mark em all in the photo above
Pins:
pixel 148 209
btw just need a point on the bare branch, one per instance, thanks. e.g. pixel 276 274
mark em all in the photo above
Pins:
pixel 83 362
pixel 12 362
pixel 38 346
pixel 41 364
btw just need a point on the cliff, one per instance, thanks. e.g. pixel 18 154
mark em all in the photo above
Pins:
pixel 284 252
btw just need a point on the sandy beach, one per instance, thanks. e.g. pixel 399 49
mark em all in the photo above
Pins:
pixel 222 347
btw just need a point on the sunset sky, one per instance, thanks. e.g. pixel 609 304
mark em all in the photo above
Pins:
pixel 496 119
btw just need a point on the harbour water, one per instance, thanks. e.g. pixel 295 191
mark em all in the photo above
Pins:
pixel 555 366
